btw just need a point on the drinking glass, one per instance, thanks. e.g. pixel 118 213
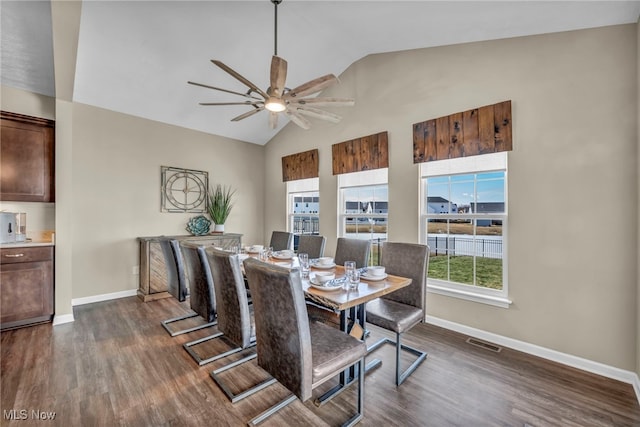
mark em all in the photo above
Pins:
pixel 269 252
pixel 354 279
pixel 349 266
pixel 263 256
pixel 303 259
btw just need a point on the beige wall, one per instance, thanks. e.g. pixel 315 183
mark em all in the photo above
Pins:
pixel 572 175
pixel 116 190
pixel 110 193
pixel 638 172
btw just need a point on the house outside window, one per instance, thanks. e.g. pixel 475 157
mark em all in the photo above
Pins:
pixel 463 216
pixel 363 205
pixel 303 207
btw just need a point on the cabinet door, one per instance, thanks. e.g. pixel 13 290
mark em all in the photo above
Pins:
pixel 27 159
pixel 26 293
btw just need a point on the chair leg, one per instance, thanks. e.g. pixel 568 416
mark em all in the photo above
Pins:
pixel 188 346
pixel 165 325
pixel 401 377
pixel 275 408
pixel 360 403
pixel 215 374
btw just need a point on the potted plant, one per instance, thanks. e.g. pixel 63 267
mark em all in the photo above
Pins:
pixel 220 204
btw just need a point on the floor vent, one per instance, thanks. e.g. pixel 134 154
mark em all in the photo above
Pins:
pixel 484 344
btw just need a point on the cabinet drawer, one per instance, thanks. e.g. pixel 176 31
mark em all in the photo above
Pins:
pixel 15 255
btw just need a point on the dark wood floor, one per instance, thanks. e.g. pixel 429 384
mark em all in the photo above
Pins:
pixel 115 365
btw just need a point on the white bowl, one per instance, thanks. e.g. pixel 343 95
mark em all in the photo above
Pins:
pixel 325 260
pixel 257 248
pixel 376 270
pixel 324 276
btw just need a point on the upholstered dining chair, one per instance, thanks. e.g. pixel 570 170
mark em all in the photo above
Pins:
pixel 235 316
pixel 352 250
pixel 300 354
pixel 281 240
pixel 312 245
pixel 401 310
pixel 177 270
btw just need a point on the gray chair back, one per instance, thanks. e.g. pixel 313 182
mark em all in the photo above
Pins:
pixel 176 278
pixel 312 245
pixel 202 298
pixel 234 316
pixel 407 260
pixel 352 250
pixel 281 240
pixel 282 326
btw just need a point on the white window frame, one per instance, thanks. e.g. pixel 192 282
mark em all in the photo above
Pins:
pixel 360 179
pixel 300 188
pixel 467 165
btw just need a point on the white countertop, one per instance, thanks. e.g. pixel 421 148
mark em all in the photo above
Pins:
pixel 27 244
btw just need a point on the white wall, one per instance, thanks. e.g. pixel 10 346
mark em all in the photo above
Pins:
pixel 572 272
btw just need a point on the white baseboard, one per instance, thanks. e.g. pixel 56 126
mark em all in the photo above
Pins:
pixel 63 318
pixel 103 297
pixel 598 368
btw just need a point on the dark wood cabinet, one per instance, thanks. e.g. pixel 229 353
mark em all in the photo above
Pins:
pixel 26 158
pixel 26 286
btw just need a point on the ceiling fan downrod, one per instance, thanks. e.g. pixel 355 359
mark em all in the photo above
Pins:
pixel 275 26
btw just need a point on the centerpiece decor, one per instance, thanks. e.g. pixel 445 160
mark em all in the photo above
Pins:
pixel 198 225
pixel 220 205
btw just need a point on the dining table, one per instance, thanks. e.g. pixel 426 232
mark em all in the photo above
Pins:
pixel 349 304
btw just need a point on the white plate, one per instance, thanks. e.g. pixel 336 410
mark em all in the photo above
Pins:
pixel 373 278
pixel 322 266
pixel 281 255
pixel 316 285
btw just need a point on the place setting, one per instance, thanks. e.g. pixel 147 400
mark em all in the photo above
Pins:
pixel 324 263
pixel 326 281
pixel 373 274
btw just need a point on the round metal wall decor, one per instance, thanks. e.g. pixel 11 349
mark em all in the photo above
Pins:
pixel 184 190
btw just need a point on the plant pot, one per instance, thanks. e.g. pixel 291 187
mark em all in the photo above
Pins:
pixel 218 228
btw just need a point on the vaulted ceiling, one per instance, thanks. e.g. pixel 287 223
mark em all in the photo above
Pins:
pixel 136 57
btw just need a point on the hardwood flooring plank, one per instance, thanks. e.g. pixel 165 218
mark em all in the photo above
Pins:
pixel 116 366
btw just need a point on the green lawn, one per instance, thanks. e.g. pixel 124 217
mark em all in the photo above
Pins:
pixel 489 270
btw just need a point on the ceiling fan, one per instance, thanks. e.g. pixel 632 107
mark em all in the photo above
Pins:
pixel 280 99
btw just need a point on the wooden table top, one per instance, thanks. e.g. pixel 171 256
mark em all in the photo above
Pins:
pixel 343 299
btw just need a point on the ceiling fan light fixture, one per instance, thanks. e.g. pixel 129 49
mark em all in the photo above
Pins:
pixel 278 98
pixel 275 105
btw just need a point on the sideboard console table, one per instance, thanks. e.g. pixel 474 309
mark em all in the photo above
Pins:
pixel 153 279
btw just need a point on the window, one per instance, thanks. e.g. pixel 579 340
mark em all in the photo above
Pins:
pixel 464 222
pixel 303 207
pixel 363 207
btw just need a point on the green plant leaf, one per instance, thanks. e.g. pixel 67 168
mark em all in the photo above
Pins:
pixel 220 203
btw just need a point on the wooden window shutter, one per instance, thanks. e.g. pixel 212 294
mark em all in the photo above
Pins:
pixel 300 166
pixel 479 131
pixel 361 154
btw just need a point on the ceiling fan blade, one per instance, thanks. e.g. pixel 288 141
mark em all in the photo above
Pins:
pixel 298 119
pixel 273 120
pixel 318 114
pixel 240 78
pixel 247 114
pixel 310 87
pixel 278 75
pixel 325 102
pixel 246 95
pixel 232 103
